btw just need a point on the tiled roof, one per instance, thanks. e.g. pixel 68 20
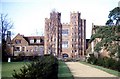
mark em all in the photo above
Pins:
pixel 28 38
pixel 34 37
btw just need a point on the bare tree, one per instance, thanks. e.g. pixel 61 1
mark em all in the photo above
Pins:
pixel 5 26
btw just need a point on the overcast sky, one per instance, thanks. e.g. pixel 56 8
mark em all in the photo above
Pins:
pixel 28 15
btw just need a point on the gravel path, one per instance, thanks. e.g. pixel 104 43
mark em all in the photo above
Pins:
pixel 81 70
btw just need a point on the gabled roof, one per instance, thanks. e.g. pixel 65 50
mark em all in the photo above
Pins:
pixel 28 38
pixel 18 35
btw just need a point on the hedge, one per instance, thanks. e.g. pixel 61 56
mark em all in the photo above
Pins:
pixel 45 67
pixel 105 62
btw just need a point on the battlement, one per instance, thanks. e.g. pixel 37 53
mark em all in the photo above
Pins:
pixel 65 24
pixel 74 12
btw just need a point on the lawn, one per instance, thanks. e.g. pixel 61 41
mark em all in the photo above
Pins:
pixel 63 71
pixel 7 68
pixel 113 72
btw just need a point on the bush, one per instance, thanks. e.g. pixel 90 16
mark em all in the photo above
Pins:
pixel 105 62
pixel 111 63
pixel 100 61
pixel 24 58
pixel 92 59
pixel 118 65
pixel 45 67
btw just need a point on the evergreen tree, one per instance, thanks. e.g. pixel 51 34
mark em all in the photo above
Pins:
pixel 114 16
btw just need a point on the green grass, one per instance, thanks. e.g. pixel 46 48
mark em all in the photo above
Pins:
pixel 63 71
pixel 7 68
pixel 113 72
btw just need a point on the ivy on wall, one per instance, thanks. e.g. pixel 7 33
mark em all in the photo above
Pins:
pixel 109 36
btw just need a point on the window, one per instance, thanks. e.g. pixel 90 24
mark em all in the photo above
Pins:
pixel 74 17
pixel 17 49
pixel 54 39
pixel 75 50
pixel 75 23
pixel 79 28
pixel 35 49
pixel 23 48
pixel 72 45
pixel 38 41
pixel 17 41
pixel 65 32
pixel 65 44
pixel 31 41
pixel 72 51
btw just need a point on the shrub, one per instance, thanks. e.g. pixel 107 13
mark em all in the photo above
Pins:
pixel 118 65
pixel 105 62
pixel 45 67
pixel 111 63
pixel 100 61
pixel 92 59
